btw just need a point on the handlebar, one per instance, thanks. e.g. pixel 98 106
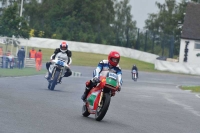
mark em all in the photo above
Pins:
pixel 55 61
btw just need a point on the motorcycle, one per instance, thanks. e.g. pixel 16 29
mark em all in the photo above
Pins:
pixel 134 75
pixel 99 97
pixel 57 71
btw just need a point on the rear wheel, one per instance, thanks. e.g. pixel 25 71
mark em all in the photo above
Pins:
pixel 53 83
pixel 101 110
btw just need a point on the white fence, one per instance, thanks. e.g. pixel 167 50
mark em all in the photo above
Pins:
pixel 90 48
pixel 177 67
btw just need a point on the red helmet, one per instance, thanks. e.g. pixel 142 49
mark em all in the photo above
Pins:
pixel 113 58
pixel 63 46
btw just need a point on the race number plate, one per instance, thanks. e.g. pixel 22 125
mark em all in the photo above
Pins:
pixel 60 63
pixel 112 75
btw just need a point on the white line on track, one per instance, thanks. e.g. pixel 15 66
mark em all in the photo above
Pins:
pixel 178 86
pixel 184 106
pixel 197 95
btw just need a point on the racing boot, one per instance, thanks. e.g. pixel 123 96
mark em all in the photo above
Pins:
pixel 47 76
pixel 84 96
pixel 60 81
pixel 89 85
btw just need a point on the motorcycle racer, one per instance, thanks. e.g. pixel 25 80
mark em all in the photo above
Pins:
pixel 104 66
pixel 136 69
pixel 57 53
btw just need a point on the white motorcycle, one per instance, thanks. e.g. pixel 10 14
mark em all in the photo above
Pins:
pixel 134 75
pixel 57 71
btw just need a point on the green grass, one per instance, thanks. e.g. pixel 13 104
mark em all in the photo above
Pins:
pixel 91 59
pixel 192 88
pixel 19 72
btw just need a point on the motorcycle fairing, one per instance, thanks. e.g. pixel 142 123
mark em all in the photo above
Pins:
pixel 93 100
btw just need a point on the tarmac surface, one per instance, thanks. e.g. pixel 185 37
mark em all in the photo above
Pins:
pixel 153 104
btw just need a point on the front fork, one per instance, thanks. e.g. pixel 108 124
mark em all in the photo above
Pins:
pixel 60 75
pixel 53 73
pixel 101 95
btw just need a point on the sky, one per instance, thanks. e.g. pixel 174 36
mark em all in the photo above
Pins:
pixel 141 9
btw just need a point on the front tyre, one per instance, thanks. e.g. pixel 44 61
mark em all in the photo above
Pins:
pixel 101 111
pixel 54 81
pixel 134 77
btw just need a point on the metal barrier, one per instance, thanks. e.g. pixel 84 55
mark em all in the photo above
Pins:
pixel 29 62
pixel 6 63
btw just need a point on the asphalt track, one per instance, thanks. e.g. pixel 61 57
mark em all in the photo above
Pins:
pixel 153 104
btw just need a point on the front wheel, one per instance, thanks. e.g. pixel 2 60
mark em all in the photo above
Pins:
pixel 101 110
pixel 134 77
pixel 53 83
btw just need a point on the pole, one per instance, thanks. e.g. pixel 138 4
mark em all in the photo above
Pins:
pixel 137 42
pixel 145 45
pixel 12 45
pixel 153 42
pixel 6 3
pixel 22 1
pixel 25 54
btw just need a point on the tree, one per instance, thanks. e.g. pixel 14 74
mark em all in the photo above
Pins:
pixel 11 24
pixel 125 27
pixel 85 21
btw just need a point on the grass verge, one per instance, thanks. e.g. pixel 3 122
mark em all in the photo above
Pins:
pixel 19 72
pixel 192 88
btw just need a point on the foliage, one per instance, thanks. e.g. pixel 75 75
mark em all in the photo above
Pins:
pixel 32 33
pixel 12 24
pixel 105 22
pixel 91 21
pixel 165 24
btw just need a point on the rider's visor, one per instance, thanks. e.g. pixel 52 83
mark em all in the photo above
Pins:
pixel 115 60
pixel 64 48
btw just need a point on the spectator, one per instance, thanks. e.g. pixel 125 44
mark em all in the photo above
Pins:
pixel 1 51
pixel 32 53
pixel 10 61
pixel 8 53
pixel 4 61
pixel 21 56
pixel 38 60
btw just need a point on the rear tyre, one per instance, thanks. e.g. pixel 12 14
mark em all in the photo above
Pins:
pixel 101 111
pixel 53 83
